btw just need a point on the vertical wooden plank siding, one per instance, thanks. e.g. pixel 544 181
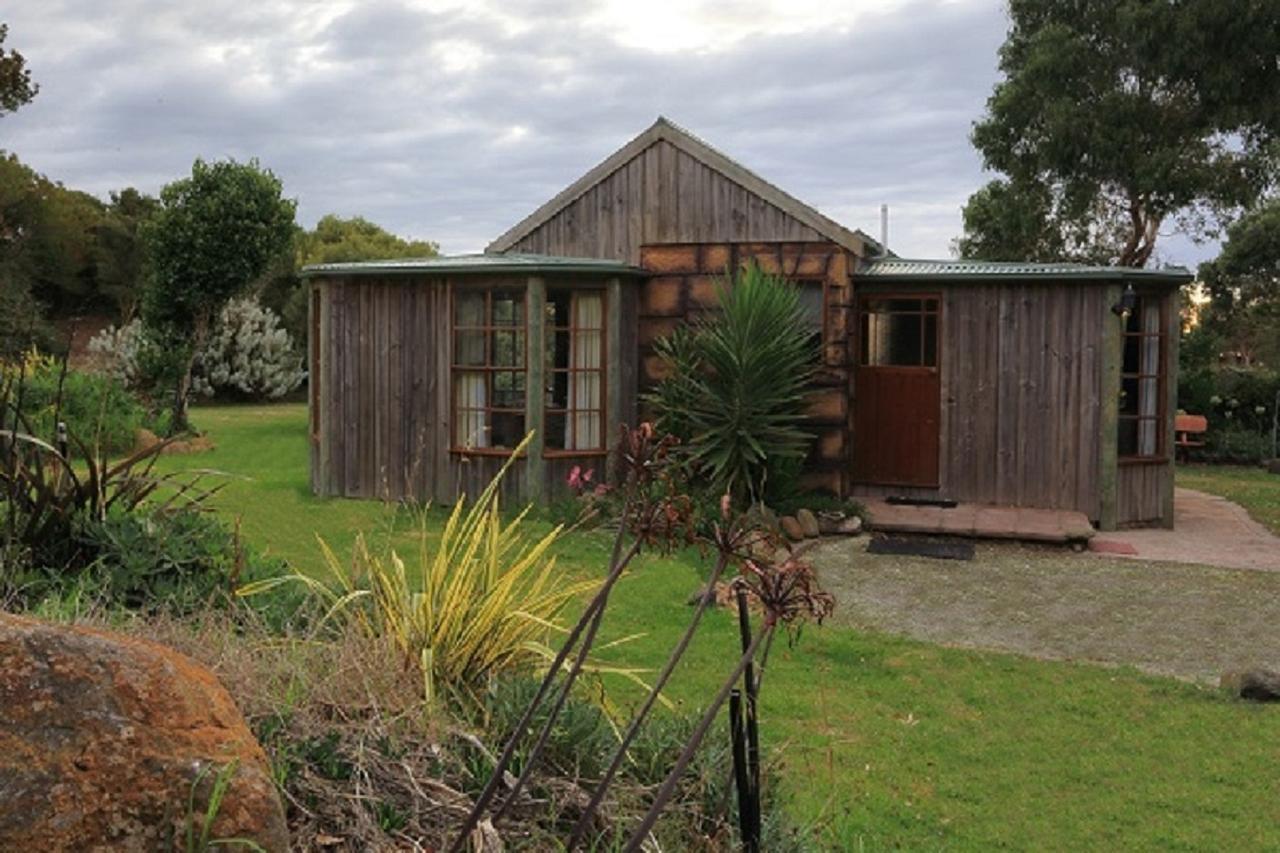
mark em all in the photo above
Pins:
pixel 1173 338
pixel 380 360
pixel 663 195
pixel 1020 393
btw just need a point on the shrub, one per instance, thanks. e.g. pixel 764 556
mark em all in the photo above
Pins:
pixel 98 409
pixel 247 355
pixel 1238 445
pixel 736 384
pixel 481 605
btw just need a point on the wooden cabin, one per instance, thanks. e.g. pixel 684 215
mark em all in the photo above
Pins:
pixel 1009 384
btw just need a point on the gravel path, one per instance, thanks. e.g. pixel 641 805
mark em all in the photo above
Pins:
pixel 1189 621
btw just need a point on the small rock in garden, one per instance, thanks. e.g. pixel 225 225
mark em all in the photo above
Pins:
pixel 851 526
pixel 103 737
pixel 829 522
pixel 791 527
pixel 1258 685
pixel 808 523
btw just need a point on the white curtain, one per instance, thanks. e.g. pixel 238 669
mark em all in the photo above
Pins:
pixel 470 387
pixel 1149 390
pixel 582 427
pixel 469 399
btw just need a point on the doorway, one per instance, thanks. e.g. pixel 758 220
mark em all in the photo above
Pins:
pixel 897 387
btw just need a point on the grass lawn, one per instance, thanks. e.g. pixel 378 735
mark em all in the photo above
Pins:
pixel 1255 489
pixel 885 742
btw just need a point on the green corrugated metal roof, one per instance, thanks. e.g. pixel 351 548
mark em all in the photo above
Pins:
pixel 460 264
pixel 900 269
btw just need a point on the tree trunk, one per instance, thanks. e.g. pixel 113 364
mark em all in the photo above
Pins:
pixel 179 421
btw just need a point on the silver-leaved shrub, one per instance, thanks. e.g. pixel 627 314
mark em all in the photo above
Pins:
pixel 247 353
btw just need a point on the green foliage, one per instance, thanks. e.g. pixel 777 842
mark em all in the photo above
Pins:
pixel 65 250
pixel 49 502
pixel 482 603
pixel 95 407
pixel 214 234
pixel 1240 404
pixel 338 240
pixel 16 87
pixel 1114 116
pixel 175 561
pixel 736 382
pixel 1243 283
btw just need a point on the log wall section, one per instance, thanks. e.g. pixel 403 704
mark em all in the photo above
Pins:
pixel 1021 379
pixel 682 285
pixel 662 195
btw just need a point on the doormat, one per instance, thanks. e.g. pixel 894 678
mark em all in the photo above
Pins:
pixel 899 500
pixel 905 546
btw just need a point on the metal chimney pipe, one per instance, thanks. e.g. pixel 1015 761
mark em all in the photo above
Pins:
pixel 884 228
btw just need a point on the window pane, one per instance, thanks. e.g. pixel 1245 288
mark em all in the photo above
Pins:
pixel 508 308
pixel 1128 443
pixel 1129 396
pixel 555 438
pixel 468 308
pixel 586 350
pixel 810 293
pixel 508 349
pixel 470 397
pixel 468 348
pixel 508 428
pixel 508 390
pixel 931 340
pixel 1132 347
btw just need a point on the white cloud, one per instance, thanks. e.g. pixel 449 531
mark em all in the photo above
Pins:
pixel 451 119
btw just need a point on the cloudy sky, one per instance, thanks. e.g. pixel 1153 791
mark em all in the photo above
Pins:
pixel 450 121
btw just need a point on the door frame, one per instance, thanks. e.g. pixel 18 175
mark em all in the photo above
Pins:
pixel 936 369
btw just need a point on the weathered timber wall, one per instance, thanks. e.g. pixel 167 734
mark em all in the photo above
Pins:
pixel 380 396
pixel 1021 381
pixel 683 284
pixel 662 195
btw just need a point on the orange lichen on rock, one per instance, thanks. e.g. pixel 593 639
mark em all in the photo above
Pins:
pixel 103 736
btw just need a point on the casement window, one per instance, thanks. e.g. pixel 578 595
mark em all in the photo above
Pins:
pixel 1143 377
pixel 488 368
pixel 898 331
pixel 574 334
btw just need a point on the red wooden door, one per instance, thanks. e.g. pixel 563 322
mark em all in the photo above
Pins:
pixel 897 392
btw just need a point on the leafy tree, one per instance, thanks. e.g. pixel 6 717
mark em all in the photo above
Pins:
pixel 1116 116
pixel 214 235
pixel 1243 284
pixel 16 87
pixel 338 240
pixel 120 255
pixel 333 240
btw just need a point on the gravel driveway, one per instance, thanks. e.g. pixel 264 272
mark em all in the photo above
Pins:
pixel 1176 619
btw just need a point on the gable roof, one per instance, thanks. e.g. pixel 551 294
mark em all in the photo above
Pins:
pixel 664 130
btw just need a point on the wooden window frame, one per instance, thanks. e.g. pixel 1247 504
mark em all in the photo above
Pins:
pixel 922 298
pixel 488 368
pixel 550 371
pixel 1161 454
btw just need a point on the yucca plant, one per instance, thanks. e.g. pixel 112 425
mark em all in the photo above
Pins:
pixel 482 602
pixel 736 383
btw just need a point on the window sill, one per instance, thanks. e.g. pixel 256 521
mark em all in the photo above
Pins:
pixel 481 451
pixel 563 454
pixel 1143 460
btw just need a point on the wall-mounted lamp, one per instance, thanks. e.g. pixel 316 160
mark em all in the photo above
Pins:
pixel 1128 301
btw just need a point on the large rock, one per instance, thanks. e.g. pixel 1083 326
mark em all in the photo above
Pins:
pixel 102 738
